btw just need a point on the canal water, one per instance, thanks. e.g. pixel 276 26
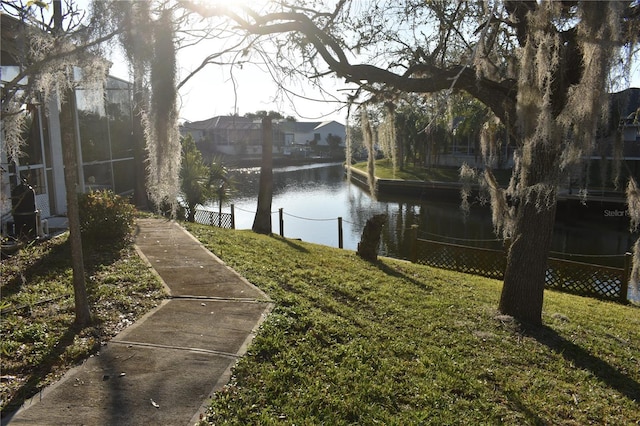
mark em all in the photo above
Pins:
pixel 313 197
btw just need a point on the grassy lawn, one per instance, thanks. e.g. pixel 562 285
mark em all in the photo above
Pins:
pixel 384 170
pixel 351 342
pixel 39 342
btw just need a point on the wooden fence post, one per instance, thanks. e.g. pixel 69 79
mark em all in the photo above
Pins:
pixel 624 286
pixel 211 221
pixel 281 222
pixel 340 235
pixel 233 217
pixel 414 243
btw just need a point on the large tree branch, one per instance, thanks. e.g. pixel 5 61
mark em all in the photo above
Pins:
pixel 499 96
pixel 519 10
pixel 423 78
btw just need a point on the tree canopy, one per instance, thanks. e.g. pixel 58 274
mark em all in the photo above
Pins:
pixel 544 69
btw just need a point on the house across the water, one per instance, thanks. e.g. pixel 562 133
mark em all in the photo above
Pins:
pixel 242 136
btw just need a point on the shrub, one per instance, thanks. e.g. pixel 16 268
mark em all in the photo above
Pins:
pixel 105 217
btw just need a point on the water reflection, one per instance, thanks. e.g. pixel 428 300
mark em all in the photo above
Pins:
pixel 313 197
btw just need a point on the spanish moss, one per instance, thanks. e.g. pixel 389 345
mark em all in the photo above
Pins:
pixel 501 213
pixel 633 202
pixel 587 102
pixel 348 144
pixel 62 67
pixel 367 134
pixel 387 135
pixel 489 141
pixel 634 279
pixel 163 137
pixel 467 177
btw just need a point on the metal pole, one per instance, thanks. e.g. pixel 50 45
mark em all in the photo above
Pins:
pixel 281 222
pixel 340 239
pixel 414 243
pixel 624 285
pixel 233 217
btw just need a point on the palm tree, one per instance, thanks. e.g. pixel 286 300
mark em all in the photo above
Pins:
pixel 194 177
pixel 201 183
pixel 221 182
pixel 262 219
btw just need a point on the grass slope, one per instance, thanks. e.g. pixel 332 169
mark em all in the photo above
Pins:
pixel 351 342
pixel 39 342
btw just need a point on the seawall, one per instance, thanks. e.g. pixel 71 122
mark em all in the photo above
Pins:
pixel 568 204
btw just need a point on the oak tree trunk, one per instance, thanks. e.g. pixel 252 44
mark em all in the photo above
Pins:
pixel 524 277
pixel 262 220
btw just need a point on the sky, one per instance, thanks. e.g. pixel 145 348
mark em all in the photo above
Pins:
pixel 213 92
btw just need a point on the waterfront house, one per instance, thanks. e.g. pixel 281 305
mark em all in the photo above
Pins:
pixel 230 135
pixel 315 134
pixel 234 135
pixel 103 134
pixel 620 139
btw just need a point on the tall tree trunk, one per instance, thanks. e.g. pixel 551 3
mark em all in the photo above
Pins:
pixel 141 198
pixel 191 215
pixel 400 152
pixel 262 220
pixel 70 160
pixel 524 277
pixel 83 314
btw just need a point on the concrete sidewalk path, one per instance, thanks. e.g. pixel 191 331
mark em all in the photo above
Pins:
pixel 163 369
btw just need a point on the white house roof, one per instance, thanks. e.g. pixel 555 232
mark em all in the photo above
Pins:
pixel 306 127
pixel 234 122
pixel 309 126
pixel 223 122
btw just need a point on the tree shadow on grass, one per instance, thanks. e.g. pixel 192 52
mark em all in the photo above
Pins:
pixel 32 384
pixel 97 256
pixel 581 358
pixel 517 404
pixel 399 274
pixel 290 243
pixel 54 261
